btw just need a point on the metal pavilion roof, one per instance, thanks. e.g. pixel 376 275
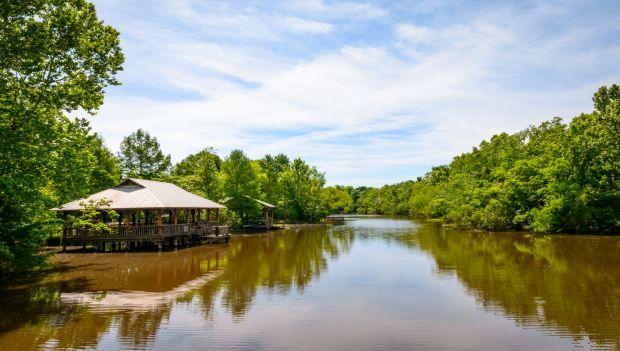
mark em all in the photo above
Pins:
pixel 145 194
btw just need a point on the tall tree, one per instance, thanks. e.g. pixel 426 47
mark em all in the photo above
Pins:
pixel 302 186
pixel 272 168
pixel 55 57
pixel 141 157
pixel 240 184
pixel 200 173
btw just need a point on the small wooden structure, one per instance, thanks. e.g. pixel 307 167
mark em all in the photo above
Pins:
pixel 335 219
pixel 149 217
pixel 265 222
pixel 268 213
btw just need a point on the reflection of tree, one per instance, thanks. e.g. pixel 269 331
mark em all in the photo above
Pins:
pixel 565 284
pixel 137 328
pixel 277 262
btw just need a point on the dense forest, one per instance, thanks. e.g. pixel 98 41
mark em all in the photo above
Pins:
pixel 554 177
pixel 58 58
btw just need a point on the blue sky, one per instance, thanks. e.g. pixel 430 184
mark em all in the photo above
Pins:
pixel 370 92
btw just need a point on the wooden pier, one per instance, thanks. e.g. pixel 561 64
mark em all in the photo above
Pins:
pixel 159 236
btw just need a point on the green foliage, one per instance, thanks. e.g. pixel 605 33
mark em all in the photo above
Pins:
pixel 90 215
pixel 231 219
pixel 302 187
pixel 272 168
pixel 56 57
pixel 240 184
pixel 337 199
pixel 141 157
pixel 199 173
pixel 107 172
pixel 547 178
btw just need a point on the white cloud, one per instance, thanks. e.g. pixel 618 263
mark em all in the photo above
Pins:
pixel 364 113
pixel 301 25
pixel 414 34
pixel 338 9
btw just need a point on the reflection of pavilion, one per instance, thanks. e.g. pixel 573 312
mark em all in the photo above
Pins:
pixel 151 214
pixel 137 300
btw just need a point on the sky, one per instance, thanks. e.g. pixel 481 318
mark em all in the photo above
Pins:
pixel 371 93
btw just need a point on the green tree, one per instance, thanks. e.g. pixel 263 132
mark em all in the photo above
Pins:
pixel 56 57
pixel 200 173
pixel 240 185
pixel 107 172
pixel 337 199
pixel 272 168
pixel 90 215
pixel 141 157
pixel 302 187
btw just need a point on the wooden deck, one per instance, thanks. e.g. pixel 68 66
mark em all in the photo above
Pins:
pixel 165 235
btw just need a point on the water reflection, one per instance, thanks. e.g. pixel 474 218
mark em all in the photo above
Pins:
pixel 567 286
pixel 135 292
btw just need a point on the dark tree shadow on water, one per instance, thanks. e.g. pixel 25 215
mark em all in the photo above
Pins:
pixel 30 299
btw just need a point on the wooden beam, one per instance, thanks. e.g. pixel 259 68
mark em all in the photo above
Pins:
pixel 174 216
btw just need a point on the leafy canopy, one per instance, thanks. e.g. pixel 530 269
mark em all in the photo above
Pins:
pixel 141 157
pixel 56 57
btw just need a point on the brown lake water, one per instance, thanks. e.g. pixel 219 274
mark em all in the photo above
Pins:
pixel 372 284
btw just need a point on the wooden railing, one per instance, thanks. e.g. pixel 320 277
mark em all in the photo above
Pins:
pixel 142 231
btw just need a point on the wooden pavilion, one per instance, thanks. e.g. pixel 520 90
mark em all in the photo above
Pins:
pixel 268 213
pixel 265 222
pixel 152 214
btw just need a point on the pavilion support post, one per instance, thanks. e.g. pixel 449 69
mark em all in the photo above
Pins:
pixel 159 223
pixel 187 215
pixel 174 216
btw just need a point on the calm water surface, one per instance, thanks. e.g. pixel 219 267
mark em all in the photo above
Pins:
pixel 375 283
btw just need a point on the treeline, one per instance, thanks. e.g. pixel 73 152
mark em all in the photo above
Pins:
pixel 554 177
